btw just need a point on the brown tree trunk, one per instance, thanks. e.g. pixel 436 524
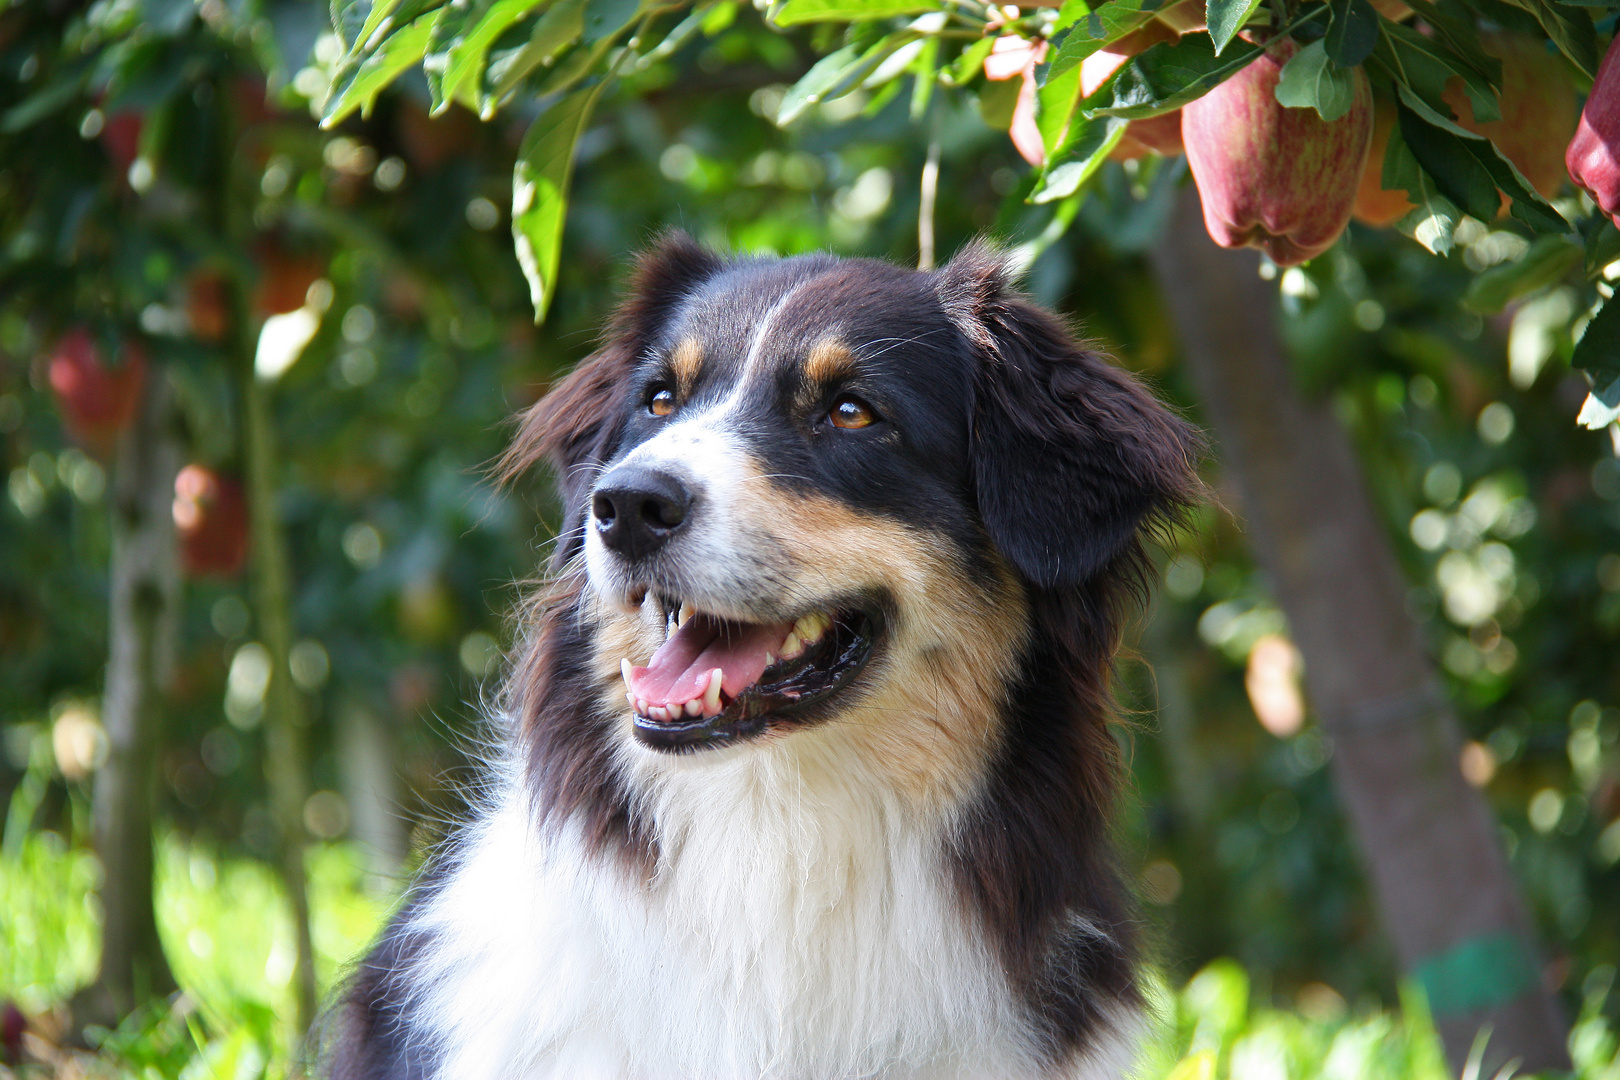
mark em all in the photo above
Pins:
pixel 145 588
pixel 1429 841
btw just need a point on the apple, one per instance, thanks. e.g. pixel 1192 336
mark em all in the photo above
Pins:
pixel 210 516
pixel 1537 102
pixel 97 402
pixel 208 305
pixel 1374 205
pixel 121 138
pixel 1279 179
pixel 284 278
pixel 1593 156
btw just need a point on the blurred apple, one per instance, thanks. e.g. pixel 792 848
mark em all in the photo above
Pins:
pixel 284 277
pixel 97 402
pixel 121 139
pixel 1593 156
pixel 210 515
pixel 1279 179
pixel 1537 102
pixel 1374 205
pixel 208 305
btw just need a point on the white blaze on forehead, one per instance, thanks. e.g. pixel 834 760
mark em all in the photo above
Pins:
pixel 761 332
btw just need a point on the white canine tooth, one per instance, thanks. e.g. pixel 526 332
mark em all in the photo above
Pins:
pixel 624 671
pixel 694 707
pixel 687 611
pixel 631 698
pixel 711 694
pixel 792 648
pixel 769 658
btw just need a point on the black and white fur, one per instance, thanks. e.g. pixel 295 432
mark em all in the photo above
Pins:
pixel 910 878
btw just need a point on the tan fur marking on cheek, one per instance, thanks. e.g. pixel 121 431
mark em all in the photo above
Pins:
pixel 829 361
pixel 687 361
pixel 930 718
pixel 620 635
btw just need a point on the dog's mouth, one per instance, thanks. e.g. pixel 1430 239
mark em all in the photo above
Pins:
pixel 715 681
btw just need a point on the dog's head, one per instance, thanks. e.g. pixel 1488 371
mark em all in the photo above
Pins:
pixel 810 487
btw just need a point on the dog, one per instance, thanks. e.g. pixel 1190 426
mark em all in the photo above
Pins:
pixel 809 764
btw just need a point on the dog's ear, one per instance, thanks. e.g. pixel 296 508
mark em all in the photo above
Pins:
pixel 1071 455
pixel 576 424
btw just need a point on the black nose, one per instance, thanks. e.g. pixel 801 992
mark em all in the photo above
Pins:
pixel 636 509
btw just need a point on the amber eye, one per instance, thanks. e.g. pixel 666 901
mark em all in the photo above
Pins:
pixel 851 412
pixel 662 403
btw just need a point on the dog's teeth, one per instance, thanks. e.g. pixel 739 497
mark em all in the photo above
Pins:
pixel 770 658
pixel 694 707
pixel 624 671
pixel 658 712
pixel 792 648
pixel 811 627
pixel 711 695
pixel 631 698
pixel 687 611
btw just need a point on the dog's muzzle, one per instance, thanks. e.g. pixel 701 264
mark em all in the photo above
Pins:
pixel 635 510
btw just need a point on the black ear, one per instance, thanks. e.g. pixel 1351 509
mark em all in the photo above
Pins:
pixel 576 424
pixel 1071 455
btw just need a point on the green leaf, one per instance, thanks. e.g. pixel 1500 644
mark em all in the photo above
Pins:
pixel 1424 65
pixel 1570 29
pixel 968 66
pixel 1055 100
pixel 1077 161
pixel 1226 18
pixel 1469 169
pixel 837 74
pixel 607 18
pixel 54 96
pixel 1458 31
pixel 795 12
pixel 1168 76
pixel 1546 263
pixel 922 89
pixel 467 55
pixel 1598 351
pixel 1107 24
pixel 359 89
pixel 1352 32
pixel 1312 81
pixel 1433 219
pixel 559 27
pixel 545 167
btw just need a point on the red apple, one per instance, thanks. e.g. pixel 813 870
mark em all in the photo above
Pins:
pixel 1538 108
pixel 121 139
pixel 1374 205
pixel 1593 157
pixel 284 278
pixel 97 402
pixel 210 514
pixel 1279 179
pixel 12 1025
pixel 208 305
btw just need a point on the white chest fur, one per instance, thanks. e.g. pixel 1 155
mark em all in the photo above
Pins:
pixel 797 927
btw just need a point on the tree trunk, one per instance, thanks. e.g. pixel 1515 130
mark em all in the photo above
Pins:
pixel 145 588
pixel 285 754
pixel 1429 841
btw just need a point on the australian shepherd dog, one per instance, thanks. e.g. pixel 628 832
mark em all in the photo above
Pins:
pixel 808 763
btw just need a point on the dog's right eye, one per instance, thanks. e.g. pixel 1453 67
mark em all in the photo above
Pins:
pixel 662 402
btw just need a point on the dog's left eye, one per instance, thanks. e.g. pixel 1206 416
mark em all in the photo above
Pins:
pixel 851 412
pixel 662 402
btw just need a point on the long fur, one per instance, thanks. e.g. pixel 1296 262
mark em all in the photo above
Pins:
pixel 919 884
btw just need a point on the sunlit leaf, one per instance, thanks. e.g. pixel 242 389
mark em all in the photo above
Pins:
pixel 545 166
pixel 466 54
pixel 559 27
pixel 1168 76
pixel 1077 161
pixel 794 12
pixel 1226 17
pixel 1097 29
pixel 1433 219
pixel 369 78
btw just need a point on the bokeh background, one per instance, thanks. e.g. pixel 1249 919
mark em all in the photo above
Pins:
pixel 163 190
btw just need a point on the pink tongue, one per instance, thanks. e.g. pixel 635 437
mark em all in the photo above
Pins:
pixel 679 670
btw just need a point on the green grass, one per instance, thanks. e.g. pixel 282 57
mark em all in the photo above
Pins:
pixel 228 932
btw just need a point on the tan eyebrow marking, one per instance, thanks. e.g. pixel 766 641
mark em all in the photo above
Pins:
pixel 686 361
pixel 830 360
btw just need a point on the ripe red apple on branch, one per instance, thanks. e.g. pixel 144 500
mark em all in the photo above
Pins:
pixel 1593 155
pixel 97 401
pixel 1276 178
pixel 210 515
